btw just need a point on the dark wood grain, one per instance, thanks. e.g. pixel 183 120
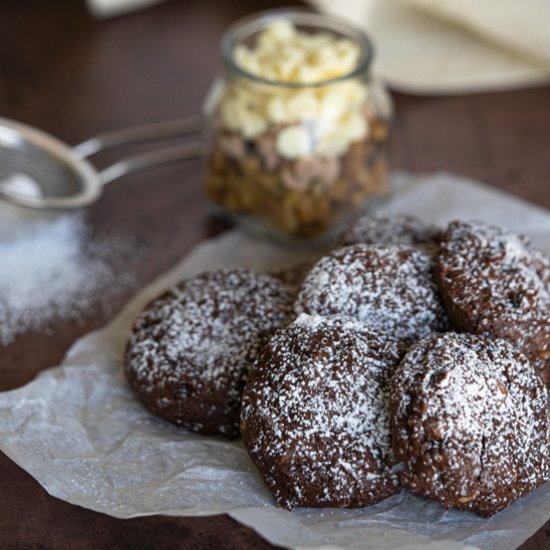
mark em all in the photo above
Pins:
pixel 73 76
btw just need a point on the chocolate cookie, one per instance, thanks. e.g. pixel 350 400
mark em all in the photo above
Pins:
pixel 190 350
pixel 398 229
pixel 493 283
pixel 315 414
pixel 469 420
pixel 391 288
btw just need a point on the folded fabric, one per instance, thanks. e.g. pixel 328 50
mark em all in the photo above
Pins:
pixel 454 46
pixel 523 27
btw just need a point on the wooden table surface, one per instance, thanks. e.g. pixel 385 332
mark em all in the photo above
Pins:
pixel 73 76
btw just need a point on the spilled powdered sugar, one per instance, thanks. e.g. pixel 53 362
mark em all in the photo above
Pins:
pixel 50 269
pixel 470 421
pixel 392 289
pixel 315 417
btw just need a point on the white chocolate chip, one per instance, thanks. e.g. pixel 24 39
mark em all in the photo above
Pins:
pixel 333 145
pixel 252 125
pixel 297 56
pixel 294 142
pixel 333 105
pixel 303 104
pixel 355 127
pixel 281 30
pixel 277 110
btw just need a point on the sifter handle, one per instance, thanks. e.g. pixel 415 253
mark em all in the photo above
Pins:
pixel 137 134
pixel 146 160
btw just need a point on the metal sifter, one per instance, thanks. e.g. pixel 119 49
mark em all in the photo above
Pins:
pixel 38 170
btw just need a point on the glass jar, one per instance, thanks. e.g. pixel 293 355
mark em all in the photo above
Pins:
pixel 297 126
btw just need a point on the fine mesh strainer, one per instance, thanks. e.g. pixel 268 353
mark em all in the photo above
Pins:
pixel 39 171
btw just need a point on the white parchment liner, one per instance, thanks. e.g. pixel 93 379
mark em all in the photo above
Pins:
pixel 79 431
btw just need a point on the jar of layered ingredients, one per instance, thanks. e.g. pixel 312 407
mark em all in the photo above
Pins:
pixel 297 126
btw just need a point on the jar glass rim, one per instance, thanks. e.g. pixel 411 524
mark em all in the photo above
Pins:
pixel 250 25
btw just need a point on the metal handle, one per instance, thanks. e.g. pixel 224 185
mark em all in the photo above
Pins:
pixel 137 134
pixel 150 159
pixel 146 132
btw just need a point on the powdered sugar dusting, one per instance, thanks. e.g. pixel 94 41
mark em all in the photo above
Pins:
pixel 391 288
pixel 315 417
pixel 397 229
pixel 309 321
pixel 470 421
pixel 50 269
pixel 494 283
pixel 204 334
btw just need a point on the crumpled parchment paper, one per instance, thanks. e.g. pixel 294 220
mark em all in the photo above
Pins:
pixel 79 431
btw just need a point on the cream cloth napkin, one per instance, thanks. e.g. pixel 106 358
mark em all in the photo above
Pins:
pixel 454 46
pixel 110 8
